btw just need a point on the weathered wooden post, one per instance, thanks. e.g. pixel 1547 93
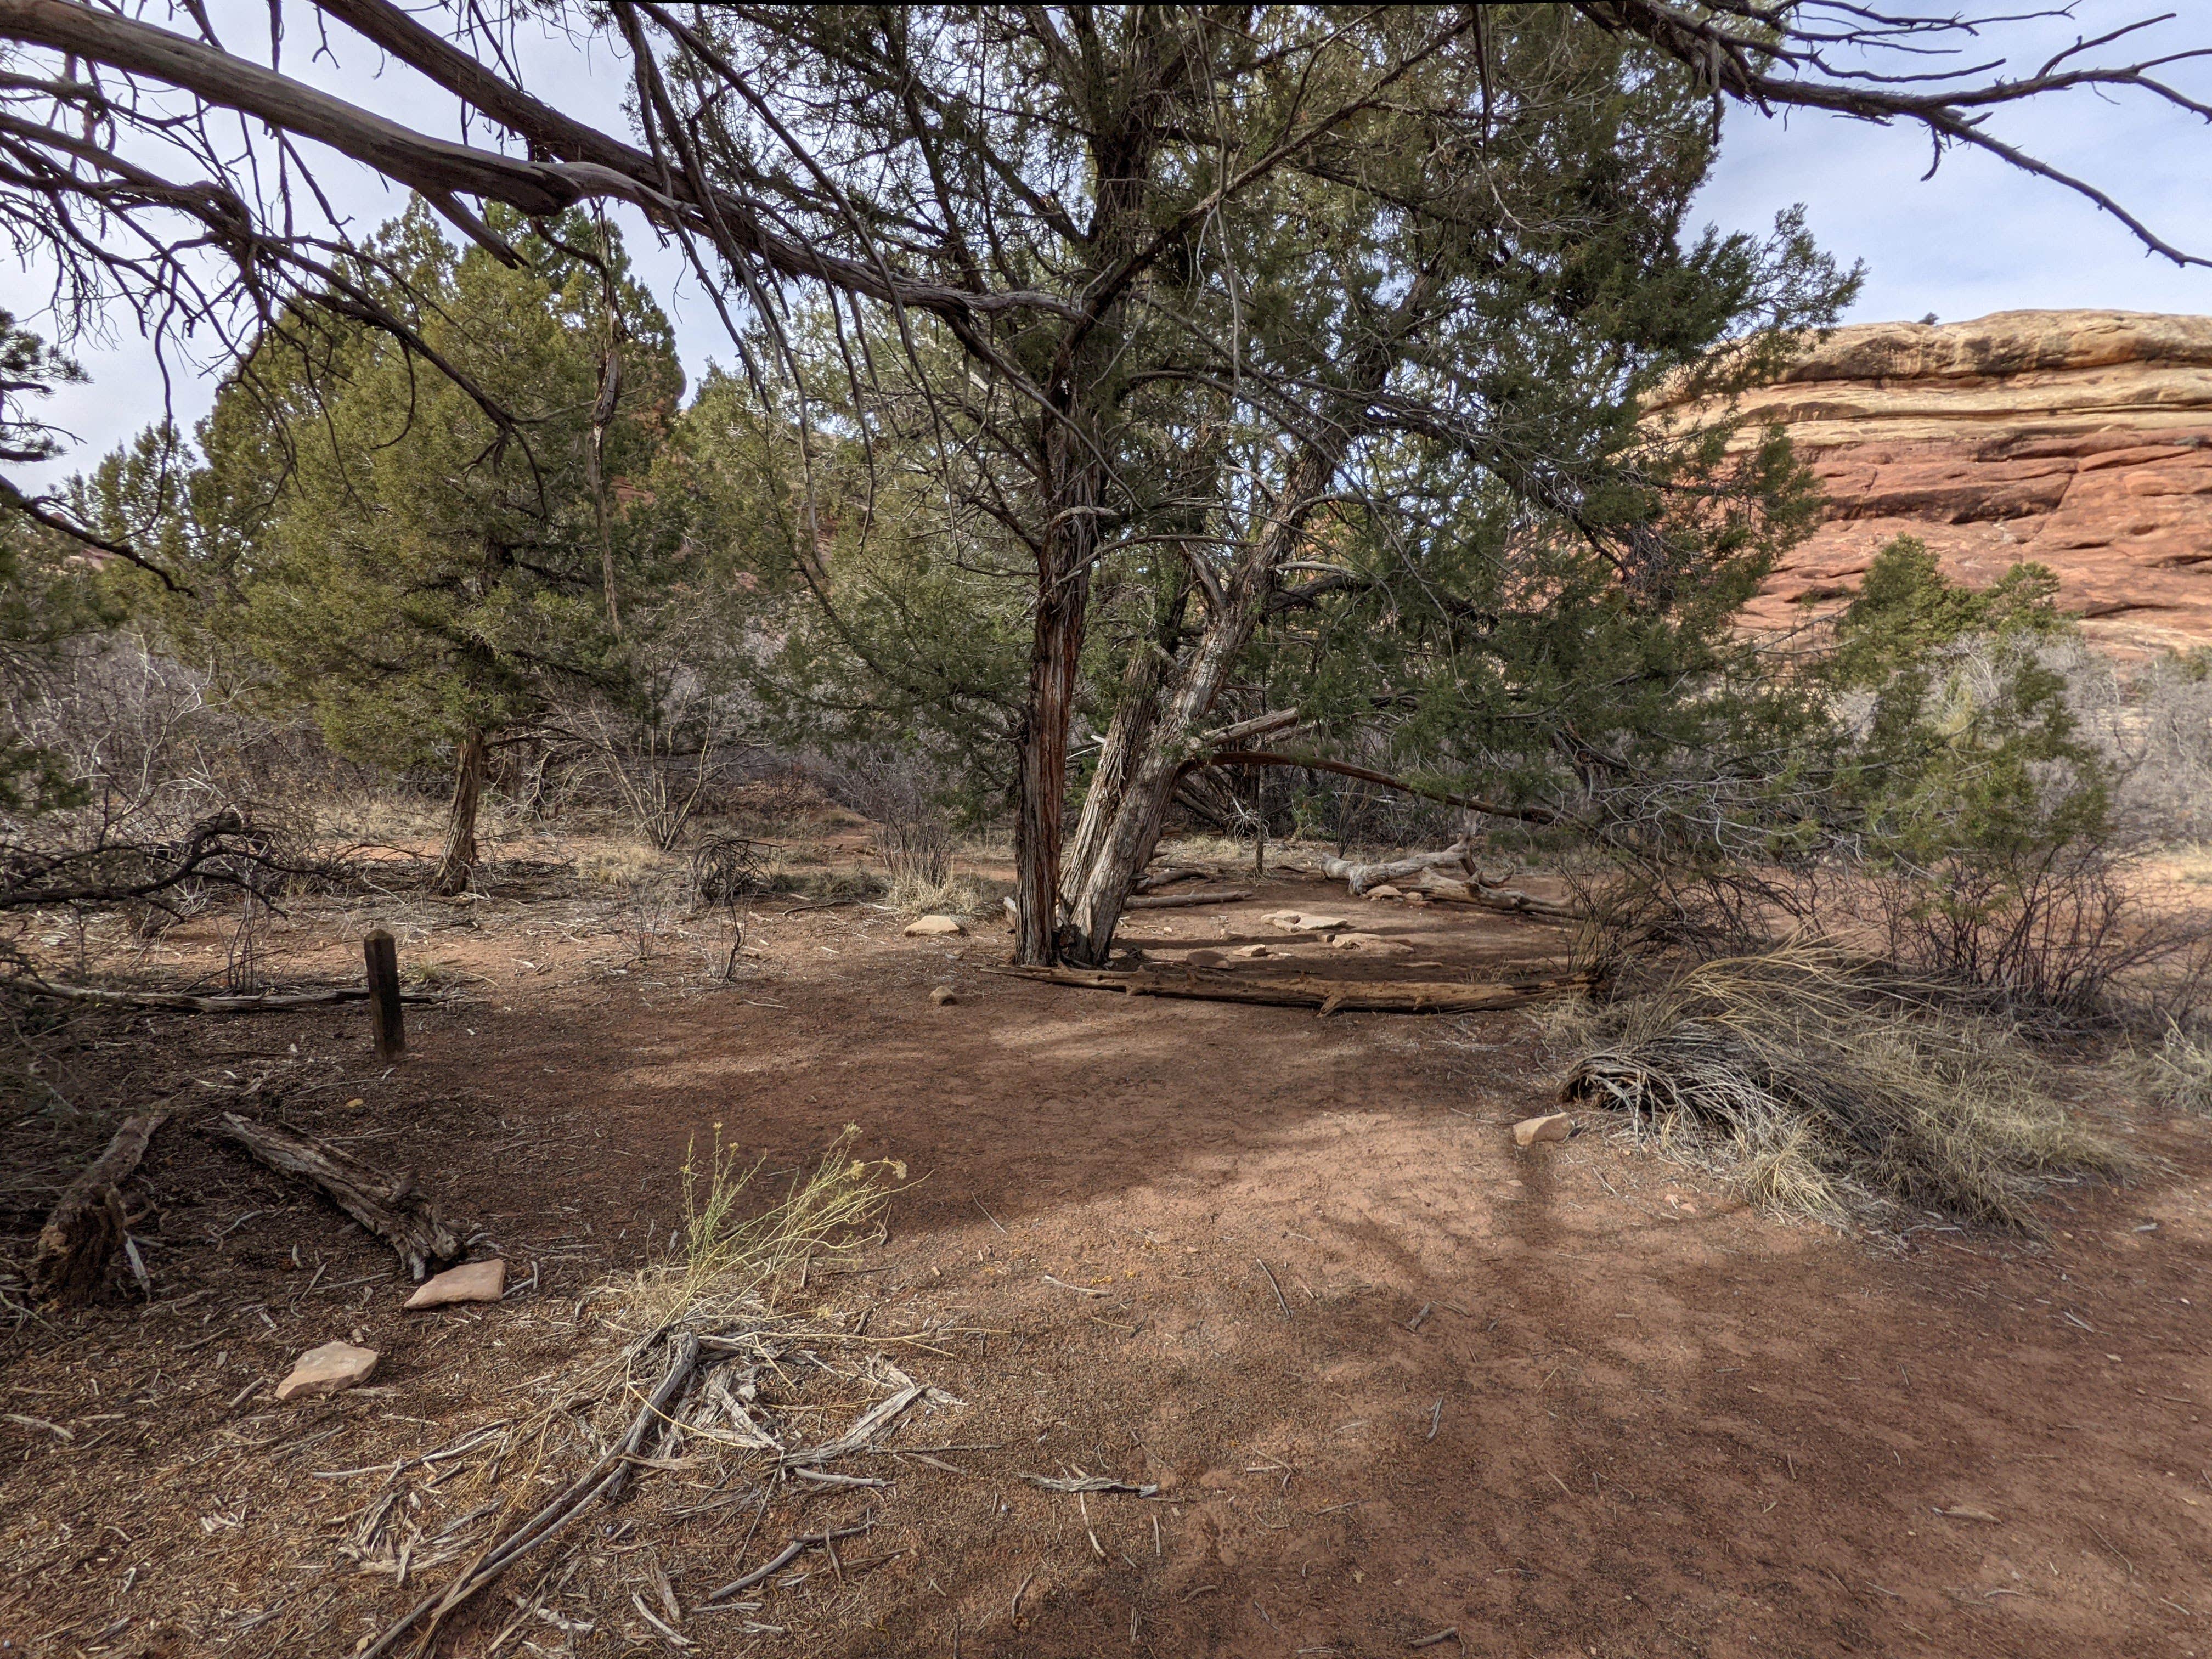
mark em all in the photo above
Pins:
pixel 383 958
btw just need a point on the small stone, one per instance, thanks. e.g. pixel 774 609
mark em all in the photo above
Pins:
pixel 472 1281
pixel 1385 891
pixel 1554 1126
pixel 355 1103
pixel 330 1369
pixel 933 927
pixel 1246 952
pixel 1203 959
pixel 1371 942
pixel 1418 901
pixel 943 996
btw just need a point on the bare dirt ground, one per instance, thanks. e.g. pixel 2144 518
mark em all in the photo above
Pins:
pixel 1182 1245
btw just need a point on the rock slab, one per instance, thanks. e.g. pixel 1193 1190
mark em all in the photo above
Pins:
pixel 1553 1125
pixel 2079 440
pixel 331 1368
pixel 933 927
pixel 472 1281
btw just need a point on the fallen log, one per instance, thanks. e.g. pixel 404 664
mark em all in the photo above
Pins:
pixel 392 1207
pixel 1510 899
pixel 191 1003
pixel 1180 901
pixel 1329 996
pixel 1169 874
pixel 82 1237
pixel 1361 876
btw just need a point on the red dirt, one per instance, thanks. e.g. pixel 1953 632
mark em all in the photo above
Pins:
pixel 1638 1419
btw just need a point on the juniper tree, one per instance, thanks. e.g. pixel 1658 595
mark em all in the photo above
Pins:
pixel 366 544
pixel 1257 222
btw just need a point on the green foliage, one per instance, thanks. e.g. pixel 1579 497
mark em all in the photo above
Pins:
pixel 29 367
pixel 1964 745
pixel 1515 561
pixel 415 551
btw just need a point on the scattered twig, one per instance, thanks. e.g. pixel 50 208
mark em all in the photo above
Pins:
pixel 1083 1483
pixel 1281 1301
pixel 1450 1635
pixel 785 1556
pixel 1081 1290
pixel 605 1476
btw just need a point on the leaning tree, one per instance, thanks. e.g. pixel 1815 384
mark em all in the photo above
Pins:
pixel 1118 255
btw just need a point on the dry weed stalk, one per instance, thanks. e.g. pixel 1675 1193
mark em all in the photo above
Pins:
pixel 1832 1093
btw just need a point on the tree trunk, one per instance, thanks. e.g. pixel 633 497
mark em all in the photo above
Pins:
pixel 1042 800
pixel 1103 884
pixel 460 858
pixel 1142 678
pixel 1164 741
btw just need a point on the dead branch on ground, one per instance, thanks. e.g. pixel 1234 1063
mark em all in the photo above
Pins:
pixel 392 1207
pixel 1329 996
pixel 86 1229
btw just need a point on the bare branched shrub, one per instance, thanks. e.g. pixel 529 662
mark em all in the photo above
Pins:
pixel 1833 1093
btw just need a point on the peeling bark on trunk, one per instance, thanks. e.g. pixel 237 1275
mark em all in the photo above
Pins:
pixel 1053 652
pixel 459 857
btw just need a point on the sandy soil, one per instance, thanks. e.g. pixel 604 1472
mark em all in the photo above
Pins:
pixel 1391 1376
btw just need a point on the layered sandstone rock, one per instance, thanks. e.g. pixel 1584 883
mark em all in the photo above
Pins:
pixel 2081 440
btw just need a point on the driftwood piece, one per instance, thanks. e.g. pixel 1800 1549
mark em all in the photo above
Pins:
pixel 393 1208
pixel 86 1229
pixel 1510 899
pixel 190 1003
pixel 1361 876
pixel 1329 996
pixel 1180 901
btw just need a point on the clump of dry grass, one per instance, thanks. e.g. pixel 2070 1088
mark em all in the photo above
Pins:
pixel 623 863
pixel 732 1263
pixel 913 895
pixel 1832 1094
pixel 2177 1073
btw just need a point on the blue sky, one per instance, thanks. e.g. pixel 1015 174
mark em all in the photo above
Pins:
pixel 1980 236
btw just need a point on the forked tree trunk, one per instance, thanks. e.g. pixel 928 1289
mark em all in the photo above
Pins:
pixel 1159 750
pixel 459 857
pixel 1142 677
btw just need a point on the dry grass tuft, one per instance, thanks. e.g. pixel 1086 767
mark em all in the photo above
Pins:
pixel 731 1264
pixel 2177 1073
pixel 1832 1094
pixel 914 895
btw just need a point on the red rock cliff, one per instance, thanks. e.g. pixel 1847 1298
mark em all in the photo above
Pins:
pixel 2079 439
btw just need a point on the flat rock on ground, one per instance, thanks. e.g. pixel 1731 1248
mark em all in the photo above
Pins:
pixel 330 1369
pixel 472 1281
pixel 933 927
